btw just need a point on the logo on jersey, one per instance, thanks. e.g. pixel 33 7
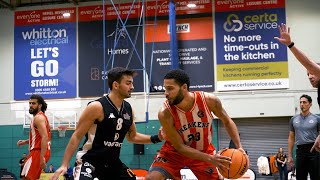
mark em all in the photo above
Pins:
pixel 193 125
pixel 161 159
pixel 126 116
pixel 200 114
pixel 87 173
pixel 112 144
pixel 111 116
pixel 116 136
pixel 209 170
pixel 311 121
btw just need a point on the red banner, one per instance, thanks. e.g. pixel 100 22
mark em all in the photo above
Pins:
pixel 202 6
pixel 93 13
pixel 46 16
pixel 236 5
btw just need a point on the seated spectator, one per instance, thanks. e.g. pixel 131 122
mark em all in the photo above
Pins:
pixel 51 169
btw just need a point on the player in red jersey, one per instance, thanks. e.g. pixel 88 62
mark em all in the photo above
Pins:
pixel 186 118
pixel 39 139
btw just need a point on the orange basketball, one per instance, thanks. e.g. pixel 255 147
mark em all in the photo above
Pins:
pixel 238 166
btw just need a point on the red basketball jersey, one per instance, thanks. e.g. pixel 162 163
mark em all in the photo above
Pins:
pixel 34 135
pixel 194 126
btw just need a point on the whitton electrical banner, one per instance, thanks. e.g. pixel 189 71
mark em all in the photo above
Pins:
pixel 248 56
pixel 45 53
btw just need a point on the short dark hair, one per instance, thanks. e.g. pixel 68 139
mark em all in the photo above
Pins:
pixel 40 100
pixel 179 76
pixel 117 73
pixel 307 97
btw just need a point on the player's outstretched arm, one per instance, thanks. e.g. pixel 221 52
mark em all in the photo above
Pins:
pixel 171 133
pixel 285 38
pixel 92 112
pixel 215 106
pixel 138 138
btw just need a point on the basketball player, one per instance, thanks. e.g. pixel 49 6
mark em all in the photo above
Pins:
pixel 312 67
pixel 186 118
pixel 106 122
pixel 39 139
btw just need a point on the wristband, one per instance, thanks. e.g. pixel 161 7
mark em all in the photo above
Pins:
pixel 155 139
pixel 291 45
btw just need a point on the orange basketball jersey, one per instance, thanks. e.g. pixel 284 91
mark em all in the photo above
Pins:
pixel 194 126
pixel 34 135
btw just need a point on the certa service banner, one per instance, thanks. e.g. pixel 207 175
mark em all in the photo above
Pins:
pixel 121 45
pixel 194 28
pixel 45 53
pixel 248 56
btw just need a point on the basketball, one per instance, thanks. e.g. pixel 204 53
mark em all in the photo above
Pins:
pixel 238 166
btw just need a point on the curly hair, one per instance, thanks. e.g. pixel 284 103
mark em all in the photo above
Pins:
pixel 40 100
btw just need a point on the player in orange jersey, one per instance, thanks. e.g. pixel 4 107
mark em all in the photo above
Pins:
pixel 39 139
pixel 186 118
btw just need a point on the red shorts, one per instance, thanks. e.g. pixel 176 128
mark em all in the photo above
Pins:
pixel 32 169
pixel 172 162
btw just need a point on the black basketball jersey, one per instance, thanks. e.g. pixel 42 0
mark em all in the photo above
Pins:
pixel 104 139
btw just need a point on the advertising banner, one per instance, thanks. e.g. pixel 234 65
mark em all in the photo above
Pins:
pixel 248 56
pixel 45 53
pixel 195 45
pixel 123 44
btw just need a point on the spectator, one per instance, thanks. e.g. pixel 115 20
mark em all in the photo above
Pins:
pixel 21 163
pixel 50 169
pixel 282 164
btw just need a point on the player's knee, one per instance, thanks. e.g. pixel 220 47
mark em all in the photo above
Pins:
pixel 154 175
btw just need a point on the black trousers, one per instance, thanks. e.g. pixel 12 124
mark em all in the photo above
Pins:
pixel 307 162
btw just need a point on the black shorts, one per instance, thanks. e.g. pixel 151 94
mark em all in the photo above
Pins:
pixel 86 171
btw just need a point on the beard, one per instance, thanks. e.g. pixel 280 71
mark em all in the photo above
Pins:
pixel 177 99
pixel 33 111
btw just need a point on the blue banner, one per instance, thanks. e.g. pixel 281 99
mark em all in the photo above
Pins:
pixel 45 61
pixel 248 56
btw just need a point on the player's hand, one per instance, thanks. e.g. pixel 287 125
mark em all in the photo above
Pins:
pixel 221 161
pixel 316 145
pixel 284 35
pixel 244 152
pixel 60 171
pixel 43 163
pixel 21 143
pixel 290 162
pixel 161 134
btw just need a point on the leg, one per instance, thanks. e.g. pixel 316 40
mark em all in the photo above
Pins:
pixel 203 170
pixel 155 175
pixel 301 166
pixel 285 172
pixel 167 165
pixel 126 173
pixel 314 165
pixel 32 169
pixel 280 168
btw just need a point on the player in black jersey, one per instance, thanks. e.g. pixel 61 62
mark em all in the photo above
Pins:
pixel 106 122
